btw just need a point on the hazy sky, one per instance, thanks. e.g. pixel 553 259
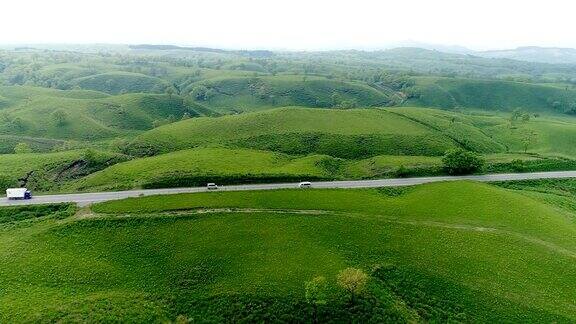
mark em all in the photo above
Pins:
pixel 291 24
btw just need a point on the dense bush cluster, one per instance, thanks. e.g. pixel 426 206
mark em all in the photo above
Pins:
pixel 459 162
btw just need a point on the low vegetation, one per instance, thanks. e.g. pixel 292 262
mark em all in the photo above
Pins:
pixel 196 167
pixel 492 95
pixel 84 115
pixel 20 213
pixel 459 161
pixel 340 133
pixel 103 117
pixel 51 171
pixel 247 256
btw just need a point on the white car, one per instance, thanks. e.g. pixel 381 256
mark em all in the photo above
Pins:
pixel 211 186
pixel 305 184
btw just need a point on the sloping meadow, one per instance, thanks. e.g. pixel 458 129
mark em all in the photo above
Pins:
pixel 436 253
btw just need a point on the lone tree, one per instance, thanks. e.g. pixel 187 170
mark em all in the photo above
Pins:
pixel 60 117
pixel 315 292
pixel 460 161
pixel 353 281
pixel 528 139
pixel 201 93
pixel 21 148
pixel 516 114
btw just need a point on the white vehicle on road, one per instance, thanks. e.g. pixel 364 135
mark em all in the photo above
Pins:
pixel 84 199
pixel 211 186
pixel 305 184
pixel 18 193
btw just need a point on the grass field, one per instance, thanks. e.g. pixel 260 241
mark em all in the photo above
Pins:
pixel 435 253
pixel 121 82
pixel 196 167
pixel 361 133
pixel 225 166
pixel 339 133
pixel 485 132
pixel 36 144
pixel 49 171
pixel 84 115
pixel 233 94
pixel 490 95
pixel 294 144
pixel 103 117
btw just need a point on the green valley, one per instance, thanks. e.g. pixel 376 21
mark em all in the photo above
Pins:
pixel 90 120
pixel 245 256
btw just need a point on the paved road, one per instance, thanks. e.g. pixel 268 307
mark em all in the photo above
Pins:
pixel 84 199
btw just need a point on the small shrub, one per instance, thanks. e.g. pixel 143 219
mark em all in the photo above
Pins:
pixel 517 165
pixel 353 281
pixel 402 172
pixel 22 148
pixel 59 117
pixel 315 291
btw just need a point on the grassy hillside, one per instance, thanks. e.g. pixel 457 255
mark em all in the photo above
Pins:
pixel 196 167
pixel 121 82
pixel 233 94
pixel 8 142
pixel 294 144
pixel 437 253
pixel 490 95
pixel 49 171
pixel 84 115
pixel 362 133
pixel 398 166
pixel 486 132
pixel 558 193
pixel 339 133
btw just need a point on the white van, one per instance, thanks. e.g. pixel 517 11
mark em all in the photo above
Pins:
pixel 305 184
pixel 211 186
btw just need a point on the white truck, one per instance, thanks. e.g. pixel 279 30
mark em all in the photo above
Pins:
pixel 18 193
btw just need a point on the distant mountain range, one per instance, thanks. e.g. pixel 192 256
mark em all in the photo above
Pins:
pixel 252 53
pixel 536 54
pixel 554 55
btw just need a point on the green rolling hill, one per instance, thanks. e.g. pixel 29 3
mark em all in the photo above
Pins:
pixel 340 133
pixel 234 94
pixel 361 133
pixel 294 144
pixel 49 171
pixel 491 95
pixel 226 166
pixel 196 167
pixel 84 115
pixel 103 117
pixel 462 252
pixel 121 82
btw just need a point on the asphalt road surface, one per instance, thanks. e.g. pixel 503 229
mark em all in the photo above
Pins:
pixel 83 199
